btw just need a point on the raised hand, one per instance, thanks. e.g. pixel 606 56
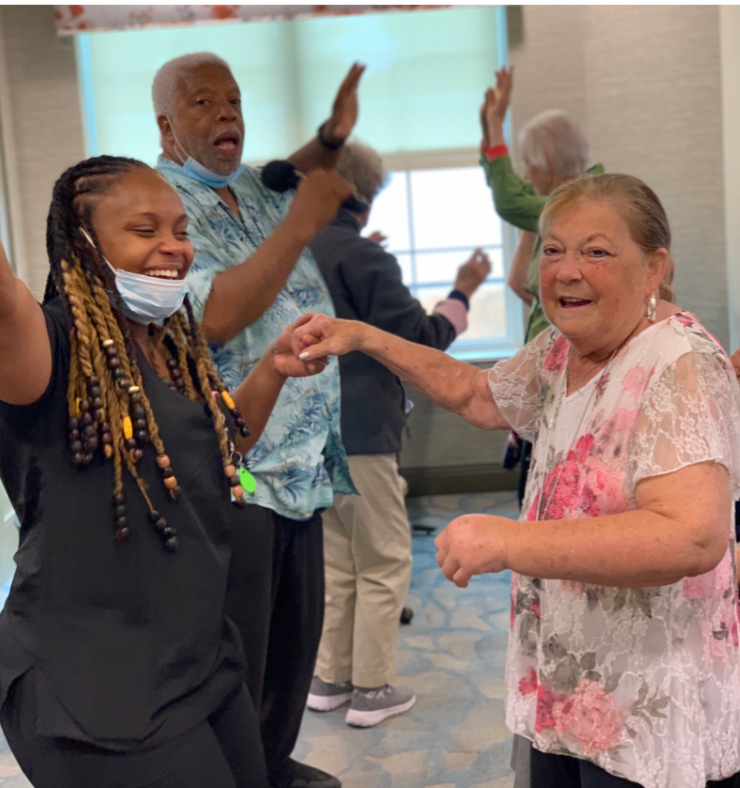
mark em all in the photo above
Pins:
pixel 472 545
pixel 472 273
pixel 285 360
pixel 345 108
pixel 496 105
pixel 318 198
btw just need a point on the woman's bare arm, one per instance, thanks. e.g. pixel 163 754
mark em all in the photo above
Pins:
pixel 454 385
pixel 681 528
pixel 25 350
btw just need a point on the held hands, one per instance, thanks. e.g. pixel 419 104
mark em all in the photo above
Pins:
pixel 472 273
pixel 345 109
pixel 472 545
pixel 317 200
pixel 286 363
pixel 495 105
pixel 326 336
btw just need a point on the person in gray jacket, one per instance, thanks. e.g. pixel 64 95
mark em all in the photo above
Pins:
pixel 367 541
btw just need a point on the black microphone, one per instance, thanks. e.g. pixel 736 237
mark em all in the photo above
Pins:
pixel 281 176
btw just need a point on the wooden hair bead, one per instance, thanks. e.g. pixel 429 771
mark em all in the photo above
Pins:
pixel 229 470
pixel 142 436
pixel 161 524
pixel 108 343
pixel 122 534
pixel 163 461
pixel 241 503
pixel 133 389
pixel 172 544
pixel 137 454
pixel 108 451
pixel 128 428
pixel 170 483
pixel 234 481
pixel 237 491
pixel 167 473
pixel 131 444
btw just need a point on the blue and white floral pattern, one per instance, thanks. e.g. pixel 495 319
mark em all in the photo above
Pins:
pixel 300 452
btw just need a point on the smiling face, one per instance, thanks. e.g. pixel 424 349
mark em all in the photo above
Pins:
pixel 141 226
pixel 595 281
pixel 207 120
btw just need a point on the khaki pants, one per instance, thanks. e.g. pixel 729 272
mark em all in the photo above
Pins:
pixel 367 555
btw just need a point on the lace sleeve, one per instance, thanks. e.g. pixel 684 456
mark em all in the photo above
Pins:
pixel 690 414
pixel 515 384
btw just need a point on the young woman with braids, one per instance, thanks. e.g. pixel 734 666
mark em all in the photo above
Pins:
pixel 118 448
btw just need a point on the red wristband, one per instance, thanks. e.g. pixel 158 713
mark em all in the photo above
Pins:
pixel 495 152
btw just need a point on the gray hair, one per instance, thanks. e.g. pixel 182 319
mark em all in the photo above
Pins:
pixel 554 133
pixel 167 79
pixel 362 167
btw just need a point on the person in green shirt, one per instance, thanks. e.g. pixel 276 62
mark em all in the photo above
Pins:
pixel 555 151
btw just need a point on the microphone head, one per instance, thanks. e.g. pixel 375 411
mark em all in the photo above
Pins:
pixel 280 176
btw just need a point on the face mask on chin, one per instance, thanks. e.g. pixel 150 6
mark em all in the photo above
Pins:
pixel 200 172
pixel 146 299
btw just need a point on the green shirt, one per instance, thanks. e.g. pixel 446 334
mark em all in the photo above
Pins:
pixel 517 203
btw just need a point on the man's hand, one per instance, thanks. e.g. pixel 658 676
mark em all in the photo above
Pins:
pixel 496 105
pixel 472 545
pixel 345 109
pixel 317 200
pixel 285 361
pixel 472 273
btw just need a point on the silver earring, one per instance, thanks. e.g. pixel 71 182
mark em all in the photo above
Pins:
pixel 652 307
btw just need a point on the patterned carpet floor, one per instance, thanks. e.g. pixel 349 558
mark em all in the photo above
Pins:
pixel 452 655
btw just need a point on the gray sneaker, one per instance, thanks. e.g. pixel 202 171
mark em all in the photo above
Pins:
pixel 371 706
pixel 324 696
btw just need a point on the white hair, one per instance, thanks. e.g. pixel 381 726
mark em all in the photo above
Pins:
pixel 167 80
pixel 554 133
pixel 362 166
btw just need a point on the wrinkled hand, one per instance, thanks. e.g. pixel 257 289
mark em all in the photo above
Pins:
pixel 735 358
pixel 345 108
pixel 472 273
pixel 472 545
pixel 378 237
pixel 497 101
pixel 285 361
pixel 318 198
pixel 326 336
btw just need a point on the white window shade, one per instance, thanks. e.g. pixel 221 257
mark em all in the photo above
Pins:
pixel 426 73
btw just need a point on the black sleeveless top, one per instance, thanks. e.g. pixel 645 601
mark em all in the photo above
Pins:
pixel 128 642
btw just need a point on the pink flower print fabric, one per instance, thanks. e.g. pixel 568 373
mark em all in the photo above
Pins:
pixel 620 676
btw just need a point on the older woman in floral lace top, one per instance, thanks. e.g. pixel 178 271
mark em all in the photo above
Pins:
pixel 623 657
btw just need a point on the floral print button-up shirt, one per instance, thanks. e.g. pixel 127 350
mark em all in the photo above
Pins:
pixel 301 444
pixel 641 681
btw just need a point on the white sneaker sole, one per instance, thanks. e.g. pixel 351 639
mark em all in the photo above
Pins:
pixel 366 719
pixel 327 702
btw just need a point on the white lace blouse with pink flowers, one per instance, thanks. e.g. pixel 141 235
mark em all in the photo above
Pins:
pixel 643 682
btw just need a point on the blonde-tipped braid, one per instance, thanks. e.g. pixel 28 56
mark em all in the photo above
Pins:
pixel 109 412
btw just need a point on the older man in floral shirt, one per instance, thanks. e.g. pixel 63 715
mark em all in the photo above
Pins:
pixel 251 278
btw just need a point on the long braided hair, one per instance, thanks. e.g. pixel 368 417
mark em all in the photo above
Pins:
pixel 109 412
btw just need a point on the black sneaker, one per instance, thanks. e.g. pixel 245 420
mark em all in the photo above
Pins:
pixel 293 774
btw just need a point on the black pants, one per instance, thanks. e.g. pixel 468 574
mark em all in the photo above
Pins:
pixel 561 771
pixel 223 751
pixel 284 648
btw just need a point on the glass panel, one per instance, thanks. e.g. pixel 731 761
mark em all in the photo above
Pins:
pixel 453 207
pixel 487 315
pixel 426 73
pixel 404 260
pixel 390 215
pixel 434 267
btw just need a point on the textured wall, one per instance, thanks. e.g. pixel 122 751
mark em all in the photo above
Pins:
pixel 645 82
pixel 46 121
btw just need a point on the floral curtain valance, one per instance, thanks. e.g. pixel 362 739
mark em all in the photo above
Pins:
pixel 71 19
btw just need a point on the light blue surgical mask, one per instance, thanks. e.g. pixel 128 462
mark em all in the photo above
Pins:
pixel 146 299
pixel 199 171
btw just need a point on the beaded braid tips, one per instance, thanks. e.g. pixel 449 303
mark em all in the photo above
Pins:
pixel 109 412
